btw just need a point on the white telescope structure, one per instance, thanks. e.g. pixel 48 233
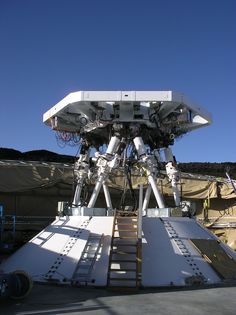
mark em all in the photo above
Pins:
pixel 125 245
pixel 146 120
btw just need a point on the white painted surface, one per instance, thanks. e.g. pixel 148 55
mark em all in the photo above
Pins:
pixel 101 225
pixel 38 255
pixel 168 257
pixel 57 249
pixel 163 262
pixel 83 99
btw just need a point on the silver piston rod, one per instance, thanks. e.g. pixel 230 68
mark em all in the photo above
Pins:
pixel 173 175
pixel 82 166
pixel 105 163
pixel 147 197
pixel 151 167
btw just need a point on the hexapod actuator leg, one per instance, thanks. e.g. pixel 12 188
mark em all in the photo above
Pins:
pixel 81 172
pixel 150 163
pixel 105 163
pixel 147 198
pixel 173 174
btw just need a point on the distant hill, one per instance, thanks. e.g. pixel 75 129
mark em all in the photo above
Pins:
pixel 213 169
pixel 35 155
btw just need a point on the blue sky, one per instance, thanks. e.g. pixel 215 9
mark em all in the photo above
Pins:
pixel 50 48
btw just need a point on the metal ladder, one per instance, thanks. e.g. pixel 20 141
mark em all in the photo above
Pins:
pixel 124 268
pixel 88 258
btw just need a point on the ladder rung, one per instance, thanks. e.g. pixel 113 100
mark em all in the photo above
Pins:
pixel 91 251
pixel 87 258
pixel 130 222
pixel 84 265
pixel 124 244
pixel 119 230
pixel 97 238
pixel 127 223
pixel 126 227
pixel 122 261
pixel 131 219
pixel 123 237
pixel 122 270
pixel 122 279
pixel 118 247
pixel 121 252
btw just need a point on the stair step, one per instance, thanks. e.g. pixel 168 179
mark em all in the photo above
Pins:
pixel 127 218
pixel 126 221
pixel 123 279
pixel 84 267
pixel 121 252
pixel 121 242
pixel 126 227
pixel 119 230
pixel 122 270
pixel 80 275
pixel 90 253
pixel 124 244
pixel 123 237
pixel 124 260
pixel 123 247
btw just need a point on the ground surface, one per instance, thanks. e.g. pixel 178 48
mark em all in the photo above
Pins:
pixel 53 300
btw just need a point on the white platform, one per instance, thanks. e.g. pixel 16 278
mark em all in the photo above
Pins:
pixel 168 258
pixel 79 111
pixel 57 249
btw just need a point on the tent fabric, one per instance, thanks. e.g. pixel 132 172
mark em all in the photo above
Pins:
pixel 23 178
pixel 19 178
pixel 190 188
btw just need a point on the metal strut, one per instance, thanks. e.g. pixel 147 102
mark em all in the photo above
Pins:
pixel 81 172
pixel 150 164
pixel 106 163
pixel 173 174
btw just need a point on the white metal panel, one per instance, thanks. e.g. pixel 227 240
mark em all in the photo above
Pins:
pixel 168 257
pixel 154 96
pixel 70 98
pixel 187 229
pixel 163 262
pixel 107 96
pixel 62 269
pixel 101 225
pixel 190 104
pixel 81 103
pixel 128 95
pixel 38 255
